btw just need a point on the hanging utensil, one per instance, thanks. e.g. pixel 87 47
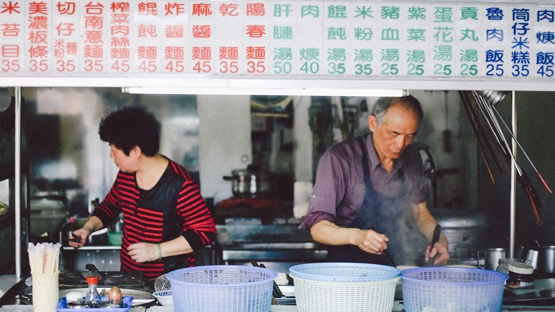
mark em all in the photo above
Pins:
pixel 524 152
pixel 523 179
pixel 491 121
pixel 479 132
pixel 495 97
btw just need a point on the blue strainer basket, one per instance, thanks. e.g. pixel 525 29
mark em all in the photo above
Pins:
pixel 222 288
pixel 452 289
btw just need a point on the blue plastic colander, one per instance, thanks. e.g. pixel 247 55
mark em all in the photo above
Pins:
pixel 452 289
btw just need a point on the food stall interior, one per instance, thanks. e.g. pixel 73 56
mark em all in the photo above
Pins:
pixel 277 140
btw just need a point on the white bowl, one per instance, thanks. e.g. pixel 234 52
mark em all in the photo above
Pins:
pixel 164 297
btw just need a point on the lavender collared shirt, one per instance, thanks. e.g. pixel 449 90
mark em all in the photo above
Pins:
pixel 339 188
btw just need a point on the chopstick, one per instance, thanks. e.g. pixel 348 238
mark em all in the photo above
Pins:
pixel 44 257
pixel 435 239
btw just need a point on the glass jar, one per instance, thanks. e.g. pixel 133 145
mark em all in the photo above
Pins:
pixel 521 275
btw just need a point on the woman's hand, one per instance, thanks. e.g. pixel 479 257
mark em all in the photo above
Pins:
pixel 143 252
pixel 82 234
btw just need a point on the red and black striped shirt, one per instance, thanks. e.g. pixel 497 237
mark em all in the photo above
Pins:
pixel 173 207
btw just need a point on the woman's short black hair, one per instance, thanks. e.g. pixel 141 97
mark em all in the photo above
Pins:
pixel 130 127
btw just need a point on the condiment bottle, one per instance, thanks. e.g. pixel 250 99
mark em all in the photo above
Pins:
pixel 92 296
pixel 521 275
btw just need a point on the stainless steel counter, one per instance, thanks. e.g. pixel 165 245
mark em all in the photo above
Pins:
pixel 398 307
pixel 540 284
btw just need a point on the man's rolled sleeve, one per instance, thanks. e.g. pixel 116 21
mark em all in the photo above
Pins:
pixel 323 200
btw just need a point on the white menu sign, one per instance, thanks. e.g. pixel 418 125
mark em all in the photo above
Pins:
pixel 274 38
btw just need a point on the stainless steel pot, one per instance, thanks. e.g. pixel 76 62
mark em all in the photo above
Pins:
pixel 465 229
pixel 249 182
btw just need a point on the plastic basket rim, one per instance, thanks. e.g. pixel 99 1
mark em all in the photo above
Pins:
pixel 390 272
pixel 502 276
pixel 345 283
pixel 171 275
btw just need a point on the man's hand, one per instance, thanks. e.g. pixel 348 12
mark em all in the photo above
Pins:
pixel 370 241
pixel 426 224
pixel 329 233
pixel 440 252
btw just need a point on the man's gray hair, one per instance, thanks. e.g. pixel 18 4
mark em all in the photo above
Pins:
pixel 384 103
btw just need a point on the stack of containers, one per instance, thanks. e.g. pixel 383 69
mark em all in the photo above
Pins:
pixel 344 287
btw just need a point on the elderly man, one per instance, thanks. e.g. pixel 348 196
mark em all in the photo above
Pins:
pixel 365 188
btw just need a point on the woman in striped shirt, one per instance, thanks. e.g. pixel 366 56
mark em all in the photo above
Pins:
pixel 166 218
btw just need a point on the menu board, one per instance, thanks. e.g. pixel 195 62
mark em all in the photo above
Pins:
pixel 274 38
